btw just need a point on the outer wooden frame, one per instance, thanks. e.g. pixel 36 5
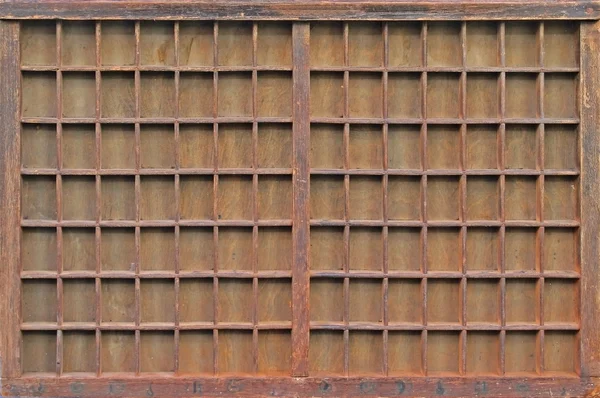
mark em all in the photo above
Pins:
pixel 12 384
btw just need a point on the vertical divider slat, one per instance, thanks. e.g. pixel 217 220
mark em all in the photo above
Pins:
pixel 137 198
pixel 215 193
pixel 59 195
pixel 542 231
pixel 254 198
pixel 346 201
pixel 301 229
pixel 502 164
pixel 177 197
pixel 463 199
pixel 98 141
pixel 385 197
pixel 424 191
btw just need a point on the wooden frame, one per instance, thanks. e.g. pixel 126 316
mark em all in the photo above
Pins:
pixel 302 383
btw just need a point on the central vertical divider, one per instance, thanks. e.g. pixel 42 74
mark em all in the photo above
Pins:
pixel 301 239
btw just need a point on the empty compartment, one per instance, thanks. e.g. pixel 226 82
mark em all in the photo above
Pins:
pixel 157 94
pixel 196 43
pixel 520 198
pixel 39 301
pixel 235 43
pixel 79 352
pixel 196 146
pixel 483 98
pixel 79 249
pixel 521 147
pixel 444 44
pixel 365 44
pixel 235 352
pixel 157 43
pixel 117 352
pixel 157 351
pixel 483 249
pixel 443 353
pixel 78 146
pixel 118 301
pixel 482 147
pixel 118 147
pixel 78 43
pixel 366 249
pixel 274 300
pixel 520 245
pixel 118 99
pixel 327 197
pixel 561 198
pixel 365 147
pixel 483 301
pixel 522 301
pixel 561 147
pixel 157 297
pixel 196 91
pixel 483 353
pixel 234 198
pixel 157 146
pixel 561 352
pixel 275 197
pixel 234 94
pixel 443 98
pixel 274 44
pixel 560 95
pixel 443 301
pixel 326 300
pixel 117 249
pixel 38 352
pixel 443 147
pixel 483 198
pixel 444 249
pixel 405 251
pixel 234 143
pixel 561 250
pixel 327 146
pixel 326 44
pixel 38 146
pixel 404 147
pixel 561 301
pixel 274 94
pixel 274 248
pixel 38 95
pixel 404 353
pixel 522 100
pixel 38 43
pixel 79 94
pixel 118 43
pixel 405 44
pixel 326 352
pixel 521 43
pixel 235 300
pixel 365 95
pixel 404 198
pixel 366 198
pixel 38 249
pixel 235 249
pixel 274 145
pixel 405 301
pixel 327 248
pixel 196 197
pixel 275 352
pixel 38 198
pixel 327 93
pixel 561 44
pixel 79 198
pixel 157 249
pixel 196 300
pixel 196 249
pixel 404 95
pixel 365 349
pixel 196 352
pixel 521 353
pixel 157 200
pixel 482 44
pixel 443 198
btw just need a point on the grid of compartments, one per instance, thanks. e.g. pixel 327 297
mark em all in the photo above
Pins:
pixel 444 197
pixel 156 197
